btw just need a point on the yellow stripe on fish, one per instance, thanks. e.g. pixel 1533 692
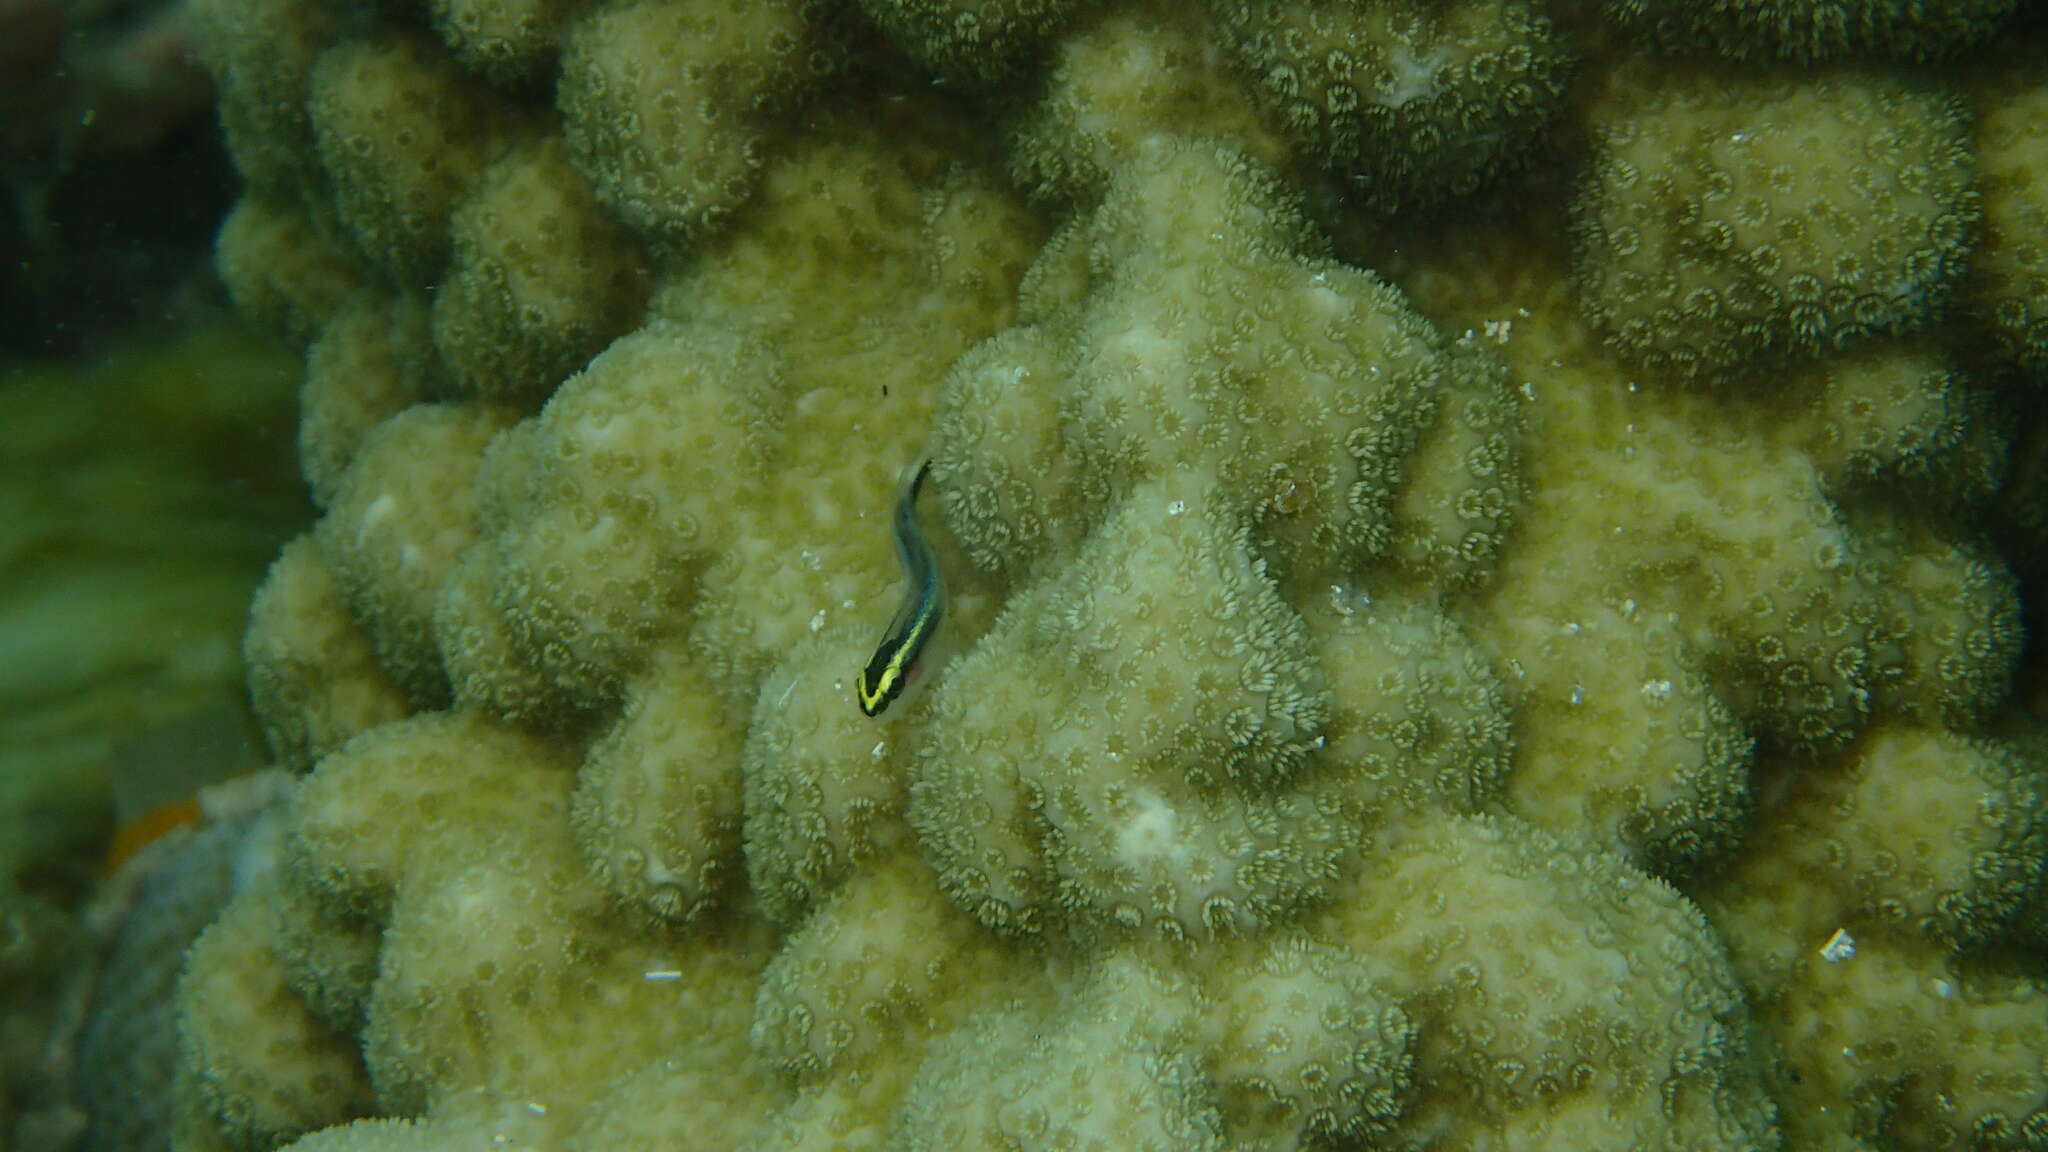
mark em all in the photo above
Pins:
pixel 895 662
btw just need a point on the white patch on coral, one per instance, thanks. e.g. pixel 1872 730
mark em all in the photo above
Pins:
pixel 1410 76
pixel 383 508
pixel 1152 834
pixel 659 875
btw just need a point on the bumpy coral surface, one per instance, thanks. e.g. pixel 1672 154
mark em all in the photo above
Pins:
pixel 2010 282
pixel 1382 699
pixel 1407 100
pixel 1813 30
pixel 1728 226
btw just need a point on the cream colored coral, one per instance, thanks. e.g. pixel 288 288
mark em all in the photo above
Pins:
pixel 1106 1069
pixel 978 40
pixel 622 504
pixel 260 1067
pixel 506 40
pixel 281 270
pixel 1192 321
pixel 455 837
pixel 1908 840
pixel 1124 74
pixel 1305 1051
pixel 262 54
pixel 883 966
pixel 485 665
pixel 657 805
pixel 1898 416
pixel 314 679
pixel 694 480
pixel 825 788
pixel 2009 279
pixel 1419 720
pixel 1000 430
pixel 1699 570
pixel 453 827
pixel 912 257
pixel 1863 913
pixel 1812 31
pixel 1559 996
pixel 1958 612
pixel 372 1136
pixel 1155 788
pixel 402 136
pixel 541 277
pixel 666 104
pixel 1216 376
pixel 1916 830
pixel 1893 1037
pixel 328 954
pixel 1288 601
pixel 1728 224
pixel 372 360
pixel 399 515
pixel 1406 101
pixel 679 1103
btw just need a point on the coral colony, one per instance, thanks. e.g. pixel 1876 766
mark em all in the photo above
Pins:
pixel 1471 622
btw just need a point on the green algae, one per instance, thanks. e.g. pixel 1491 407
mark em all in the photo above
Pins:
pixel 142 492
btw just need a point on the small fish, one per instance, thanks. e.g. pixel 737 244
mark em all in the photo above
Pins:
pixel 897 659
